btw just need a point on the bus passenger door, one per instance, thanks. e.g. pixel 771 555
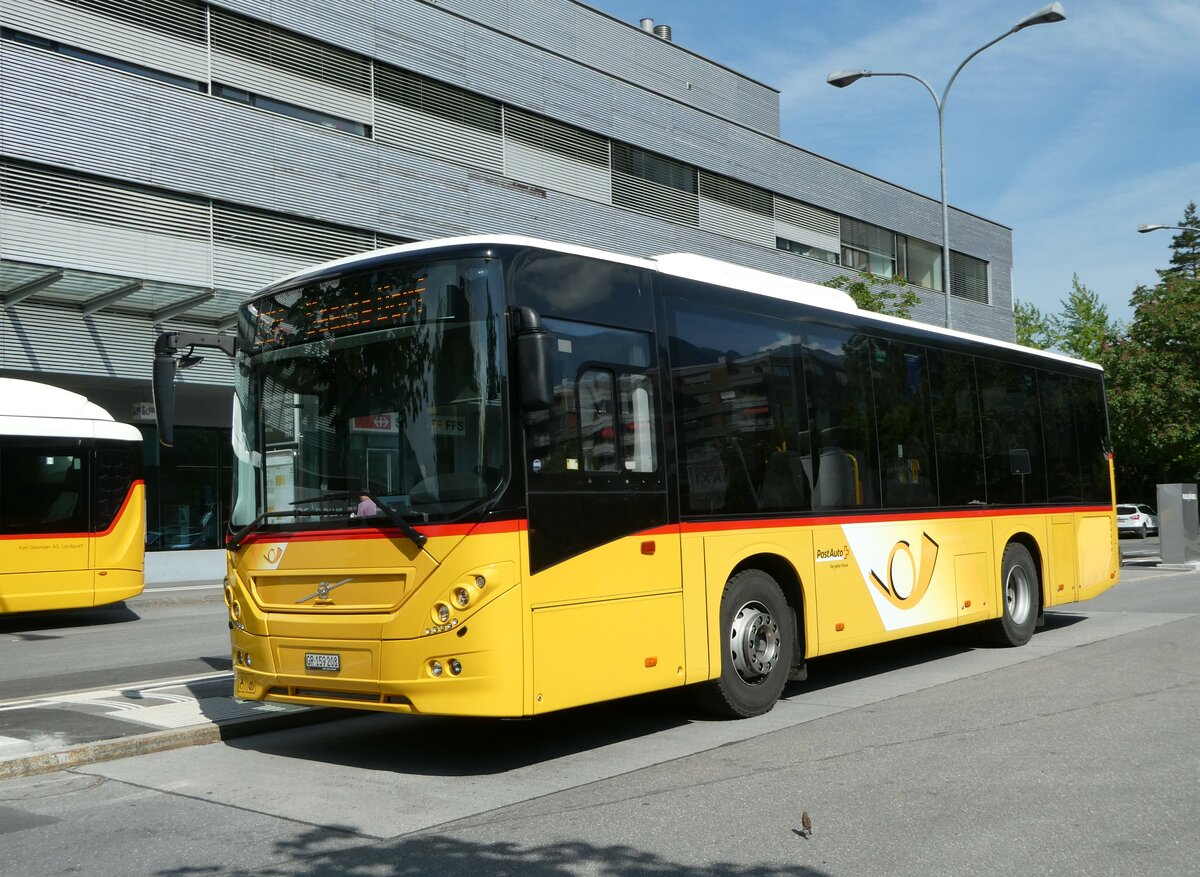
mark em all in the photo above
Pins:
pixel 1063 583
pixel 604 585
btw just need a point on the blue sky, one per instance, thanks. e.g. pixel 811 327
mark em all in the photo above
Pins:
pixel 1073 134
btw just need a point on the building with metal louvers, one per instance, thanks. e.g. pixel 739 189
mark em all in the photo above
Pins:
pixel 162 159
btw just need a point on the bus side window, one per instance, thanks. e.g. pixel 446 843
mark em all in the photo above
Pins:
pixel 739 409
pixel 597 426
pixel 43 486
pixel 904 418
pixel 1012 421
pixel 638 426
pixel 958 439
pixel 604 420
pixel 837 370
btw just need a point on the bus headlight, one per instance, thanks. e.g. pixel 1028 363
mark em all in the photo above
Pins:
pixel 462 597
pixel 455 667
pixel 442 611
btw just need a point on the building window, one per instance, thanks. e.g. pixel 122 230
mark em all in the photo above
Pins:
pixel 968 277
pixel 276 106
pixel 924 264
pixel 655 185
pixel 807 251
pixel 869 248
pixel 103 60
pixel 187 488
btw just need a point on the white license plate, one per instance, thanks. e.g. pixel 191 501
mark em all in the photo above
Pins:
pixel 317 661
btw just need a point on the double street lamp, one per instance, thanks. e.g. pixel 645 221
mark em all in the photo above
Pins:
pixel 841 78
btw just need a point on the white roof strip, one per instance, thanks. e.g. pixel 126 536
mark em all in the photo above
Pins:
pixel 706 270
pixel 693 267
pixel 28 408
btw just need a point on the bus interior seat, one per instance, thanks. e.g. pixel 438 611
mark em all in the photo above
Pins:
pixel 835 480
pixel 785 483
pixel 740 494
pixel 63 507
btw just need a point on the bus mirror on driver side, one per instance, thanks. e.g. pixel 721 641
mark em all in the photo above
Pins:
pixel 163 379
pixel 535 361
pixel 164 397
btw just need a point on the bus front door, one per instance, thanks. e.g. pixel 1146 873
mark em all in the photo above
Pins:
pixel 604 584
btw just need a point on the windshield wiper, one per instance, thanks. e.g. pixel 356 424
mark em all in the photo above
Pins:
pixel 235 540
pixel 418 538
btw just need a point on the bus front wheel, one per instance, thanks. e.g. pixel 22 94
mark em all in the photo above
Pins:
pixel 1018 596
pixel 756 626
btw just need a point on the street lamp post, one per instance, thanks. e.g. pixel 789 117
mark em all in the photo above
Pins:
pixel 841 78
pixel 1142 229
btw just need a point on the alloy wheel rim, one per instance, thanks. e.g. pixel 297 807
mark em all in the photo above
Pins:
pixel 754 642
pixel 1017 595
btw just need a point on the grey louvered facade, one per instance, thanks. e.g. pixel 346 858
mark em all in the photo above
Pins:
pixel 168 157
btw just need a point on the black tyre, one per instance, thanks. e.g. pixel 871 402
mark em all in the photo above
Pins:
pixel 1142 531
pixel 1019 594
pixel 759 641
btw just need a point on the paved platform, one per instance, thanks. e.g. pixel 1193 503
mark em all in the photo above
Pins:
pixel 55 731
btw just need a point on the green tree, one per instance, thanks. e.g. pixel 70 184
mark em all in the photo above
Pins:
pixel 1153 376
pixel 883 295
pixel 1185 246
pixel 1034 329
pixel 1082 328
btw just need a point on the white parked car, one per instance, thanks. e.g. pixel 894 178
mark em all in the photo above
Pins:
pixel 1138 519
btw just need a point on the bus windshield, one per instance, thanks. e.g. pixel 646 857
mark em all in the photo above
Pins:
pixel 383 384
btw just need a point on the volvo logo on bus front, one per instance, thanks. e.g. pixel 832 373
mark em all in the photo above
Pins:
pixel 323 589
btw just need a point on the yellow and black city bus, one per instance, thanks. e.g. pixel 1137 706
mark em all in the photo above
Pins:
pixel 501 476
pixel 72 501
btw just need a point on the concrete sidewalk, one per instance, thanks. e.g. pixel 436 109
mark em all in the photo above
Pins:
pixel 52 732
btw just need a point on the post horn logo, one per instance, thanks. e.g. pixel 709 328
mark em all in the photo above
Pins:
pixel 908 579
pixel 272 554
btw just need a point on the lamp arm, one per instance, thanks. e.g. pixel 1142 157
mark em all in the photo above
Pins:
pixel 958 69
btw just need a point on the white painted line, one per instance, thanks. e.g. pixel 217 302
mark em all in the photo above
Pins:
pixel 110 690
pixel 216 587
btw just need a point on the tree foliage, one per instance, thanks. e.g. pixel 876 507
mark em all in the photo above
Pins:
pixel 1082 328
pixel 1153 375
pixel 883 295
pixel 1152 366
pixel 1185 246
pixel 1033 327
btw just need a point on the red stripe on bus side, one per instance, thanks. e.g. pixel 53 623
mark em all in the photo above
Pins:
pixel 431 530
pixel 891 517
pixel 520 525
pixel 85 534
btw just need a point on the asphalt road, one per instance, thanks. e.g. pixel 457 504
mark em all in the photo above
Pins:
pixel 168 631
pixel 1076 754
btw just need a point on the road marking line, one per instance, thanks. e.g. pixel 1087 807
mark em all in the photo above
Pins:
pixel 215 587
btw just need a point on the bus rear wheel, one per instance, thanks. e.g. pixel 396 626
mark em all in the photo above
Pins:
pixel 1019 596
pixel 756 626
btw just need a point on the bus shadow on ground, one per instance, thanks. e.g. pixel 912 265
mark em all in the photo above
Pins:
pixel 25 625
pixel 460 747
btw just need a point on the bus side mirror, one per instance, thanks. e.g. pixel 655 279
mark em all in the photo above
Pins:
pixel 163 378
pixel 164 397
pixel 535 361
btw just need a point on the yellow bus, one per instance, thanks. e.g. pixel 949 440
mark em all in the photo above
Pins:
pixel 72 501
pixel 501 476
